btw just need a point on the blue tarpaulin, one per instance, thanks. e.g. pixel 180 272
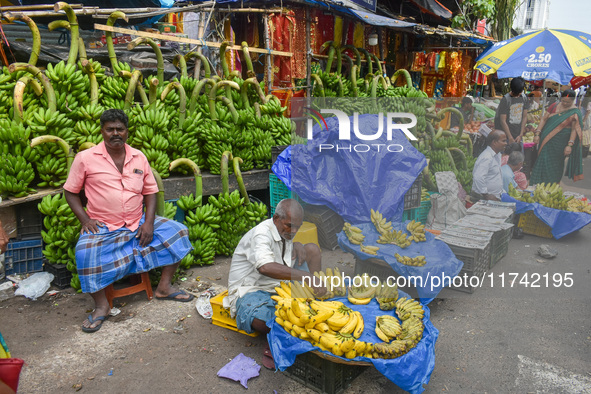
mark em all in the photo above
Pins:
pixel 441 262
pixel 351 182
pixel 409 371
pixel 561 222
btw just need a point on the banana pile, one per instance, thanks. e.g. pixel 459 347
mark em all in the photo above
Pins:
pixel 380 223
pixel 362 294
pixel 417 261
pixel 62 230
pixel 398 238
pixel 417 231
pixel 327 281
pixel 354 234
pixel 231 220
pixel 400 338
pixel 71 87
pixel 88 125
pixel 169 210
pixel 386 296
pixel 16 159
pixel 202 222
pixel 551 195
pixel 370 249
pixel 328 325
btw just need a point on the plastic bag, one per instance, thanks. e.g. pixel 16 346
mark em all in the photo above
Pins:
pixel 203 305
pixel 446 207
pixel 35 285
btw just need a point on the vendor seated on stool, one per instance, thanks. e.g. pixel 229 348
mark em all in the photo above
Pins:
pixel 117 238
pixel 262 259
pixel 487 182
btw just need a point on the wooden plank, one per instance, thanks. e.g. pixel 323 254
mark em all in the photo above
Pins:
pixel 31 197
pixel 164 37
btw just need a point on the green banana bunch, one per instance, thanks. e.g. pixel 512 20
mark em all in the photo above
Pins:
pixel 113 90
pixel 62 230
pixel 232 221
pixel 71 85
pixel 169 210
pixel 16 158
pixel 88 126
pixel 75 283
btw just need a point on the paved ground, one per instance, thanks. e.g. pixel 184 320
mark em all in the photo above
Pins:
pixel 499 339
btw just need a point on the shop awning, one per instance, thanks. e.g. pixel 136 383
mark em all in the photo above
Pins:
pixel 433 7
pixel 378 20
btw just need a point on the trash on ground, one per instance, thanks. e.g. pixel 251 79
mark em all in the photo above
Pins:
pixel 240 369
pixel 547 252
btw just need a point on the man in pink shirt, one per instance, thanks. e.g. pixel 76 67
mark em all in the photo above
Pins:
pixel 117 238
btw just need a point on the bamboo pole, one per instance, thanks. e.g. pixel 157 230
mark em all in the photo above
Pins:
pixel 269 59
pixel 34 7
pixel 164 37
pixel 308 54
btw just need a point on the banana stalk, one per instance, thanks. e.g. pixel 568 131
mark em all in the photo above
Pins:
pixel 66 25
pixel 406 76
pixel 49 92
pixel 430 130
pixel 377 60
pixel 367 56
pixel 212 96
pixel 225 69
pixel 36 47
pixel 353 76
pixel 74 30
pixel 451 159
pixel 460 117
pixel 331 48
pixel 237 161
pixel 246 53
pixel 86 145
pixel 196 172
pixel 244 91
pixel 357 56
pixel 183 99
pixel 19 93
pixel 427 178
pixel 339 61
pixel 318 81
pixel 197 91
pixel 230 106
pixel 109 37
pixel 160 204
pixel 226 157
pixel 89 70
pixel 374 85
pixel 157 51
pixel 180 62
pixel 204 63
pixel 135 76
pixel 153 92
pixel 62 144
pixel 461 155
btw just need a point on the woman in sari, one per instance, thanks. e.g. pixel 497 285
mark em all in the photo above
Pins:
pixel 560 137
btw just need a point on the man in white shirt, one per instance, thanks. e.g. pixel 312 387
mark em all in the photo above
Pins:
pixel 264 258
pixel 487 181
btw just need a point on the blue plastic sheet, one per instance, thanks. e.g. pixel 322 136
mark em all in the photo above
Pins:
pixel 349 182
pixel 561 222
pixel 409 371
pixel 282 167
pixel 441 262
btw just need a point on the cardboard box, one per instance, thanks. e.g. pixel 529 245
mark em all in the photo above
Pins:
pixel 166 28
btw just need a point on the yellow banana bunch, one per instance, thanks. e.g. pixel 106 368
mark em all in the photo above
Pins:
pixel 407 308
pixel 417 231
pixel 387 328
pixel 370 249
pixel 364 292
pixel 334 288
pixel 417 261
pixel 380 222
pixel 390 350
pixel 354 234
pixel 576 205
pixel 398 238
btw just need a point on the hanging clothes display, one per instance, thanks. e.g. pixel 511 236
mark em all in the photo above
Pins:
pixel 232 60
pixel 282 27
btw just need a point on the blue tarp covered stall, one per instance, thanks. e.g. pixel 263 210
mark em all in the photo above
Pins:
pixel 561 222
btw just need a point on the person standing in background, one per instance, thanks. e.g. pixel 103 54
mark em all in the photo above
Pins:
pixel 511 114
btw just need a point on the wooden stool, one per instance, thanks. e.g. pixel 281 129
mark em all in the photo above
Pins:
pixel 139 282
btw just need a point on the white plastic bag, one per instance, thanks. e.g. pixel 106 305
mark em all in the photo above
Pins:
pixel 35 285
pixel 203 305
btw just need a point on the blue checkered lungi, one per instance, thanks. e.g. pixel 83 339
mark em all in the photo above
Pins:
pixel 108 256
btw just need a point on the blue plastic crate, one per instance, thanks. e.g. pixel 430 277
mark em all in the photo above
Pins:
pixel 411 214
pixel 180 214
pixel 278 191
pixel 23 257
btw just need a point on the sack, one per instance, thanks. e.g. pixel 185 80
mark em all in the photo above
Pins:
pixel 446 207
pixel 10 370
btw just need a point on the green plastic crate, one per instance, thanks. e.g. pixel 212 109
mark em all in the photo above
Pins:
pixel 278 191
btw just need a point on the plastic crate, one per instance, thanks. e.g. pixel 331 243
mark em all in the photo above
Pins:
pixel 411 214
pixel 180 214
pixel 531 224
pixel 277 191
pixel 412 198
pixel 499 245
pixel 221 316
pixel 29 221
pixel 374 267
pixel 476 262
pixel 23 257
pixel 61 275
pixel 328 224
pixel 276 151
pixel 322 375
